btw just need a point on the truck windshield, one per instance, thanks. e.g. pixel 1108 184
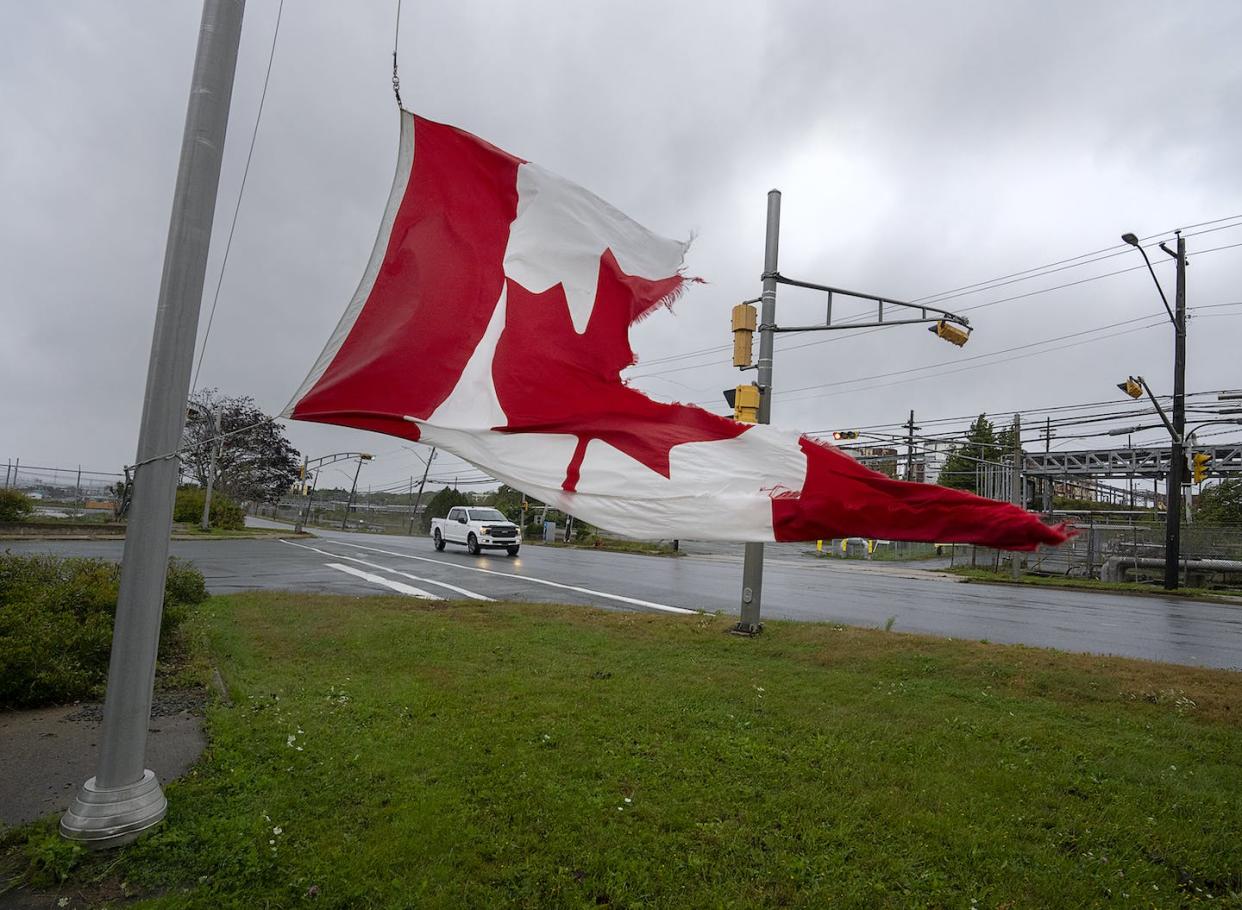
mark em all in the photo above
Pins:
pixel 486 515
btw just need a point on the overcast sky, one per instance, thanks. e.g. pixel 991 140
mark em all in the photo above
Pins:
pixel 920 147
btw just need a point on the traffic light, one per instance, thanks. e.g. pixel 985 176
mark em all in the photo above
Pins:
pixel 745 403
pixel 1131 387
pixel 845 434
pixel 1201 464
pixel 949 332
pixel 745 318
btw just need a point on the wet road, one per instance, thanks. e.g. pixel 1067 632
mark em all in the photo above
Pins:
pixel 795 587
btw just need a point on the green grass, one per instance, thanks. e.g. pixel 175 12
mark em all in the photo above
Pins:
pixel 1088 584
pixel 385 752
pixel 611 545
pixel 188 531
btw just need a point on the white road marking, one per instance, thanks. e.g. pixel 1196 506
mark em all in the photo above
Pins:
pixel 376 579
pixel 427 581
pixel 539 581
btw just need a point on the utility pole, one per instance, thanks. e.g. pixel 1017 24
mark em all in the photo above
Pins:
pixel 910 428
pixel 1015 490
pixel 422 483
pixel 752 566
pixel 124 799
pixel 216 445
pixel 1173 522
pixel 77 492
pixel 352 489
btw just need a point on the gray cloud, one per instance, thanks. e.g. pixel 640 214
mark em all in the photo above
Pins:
pixel 919 147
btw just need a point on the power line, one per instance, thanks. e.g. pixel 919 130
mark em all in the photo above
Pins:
pixel 937 299
pixel 228 244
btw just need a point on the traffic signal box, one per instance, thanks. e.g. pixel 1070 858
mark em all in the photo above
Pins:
pixel 950 332
pixel 745 403
pixel 1200 466
pixel 745 319
pixel 845 434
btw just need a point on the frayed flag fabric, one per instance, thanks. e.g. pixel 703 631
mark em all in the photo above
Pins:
pixel 492 321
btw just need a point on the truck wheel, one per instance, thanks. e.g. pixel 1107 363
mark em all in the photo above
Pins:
pixel 439 540
pixel 472 545
pixel 512 551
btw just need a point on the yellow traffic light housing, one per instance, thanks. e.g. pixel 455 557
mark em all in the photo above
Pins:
pixel 1131 387
pixel 1201 465
pixel 745 403
pixel 845 434
pixel 951 333
pixel 745 319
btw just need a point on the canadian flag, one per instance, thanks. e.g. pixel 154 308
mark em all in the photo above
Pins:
pixel 493 321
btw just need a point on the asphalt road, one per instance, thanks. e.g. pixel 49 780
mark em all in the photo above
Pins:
pixel 795 587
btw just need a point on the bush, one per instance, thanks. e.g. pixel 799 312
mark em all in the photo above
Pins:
pixel 225 513
pixel 56 618
pixel 15 505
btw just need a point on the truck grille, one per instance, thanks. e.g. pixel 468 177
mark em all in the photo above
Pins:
pixel 504 532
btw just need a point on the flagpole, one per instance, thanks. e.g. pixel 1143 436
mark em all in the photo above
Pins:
pixel 124 799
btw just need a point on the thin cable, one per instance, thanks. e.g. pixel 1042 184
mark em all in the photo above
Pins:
pixel 396 78
pixel 228 245
pixel 947 295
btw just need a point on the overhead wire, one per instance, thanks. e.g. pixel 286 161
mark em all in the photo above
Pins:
pixel 964 291
pixel 241 192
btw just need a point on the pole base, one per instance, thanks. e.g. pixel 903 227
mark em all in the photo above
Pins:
pixel 750 630
pixel 101 818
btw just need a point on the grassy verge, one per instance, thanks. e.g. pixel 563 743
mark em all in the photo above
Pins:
pixel 393 753
pixel 611 545
pixel 187 531
pixel 1088 584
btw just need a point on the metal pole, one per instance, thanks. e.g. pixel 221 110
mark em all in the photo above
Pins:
pixel 305 513
pixel 422 483
pixel 752 566
pixel 1015 491
pixel 124 798
pixel 216 445
pixel 910 428
pixel 354 486
pixel 1173 516
pixel 77 492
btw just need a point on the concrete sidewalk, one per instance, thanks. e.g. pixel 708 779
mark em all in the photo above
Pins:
pixel 47 753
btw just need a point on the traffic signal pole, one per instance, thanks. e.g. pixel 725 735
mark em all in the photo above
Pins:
pixel 752 566
pixel 124 798
pixel 946 325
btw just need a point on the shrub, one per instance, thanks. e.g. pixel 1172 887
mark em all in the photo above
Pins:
pixel 225 513
pixel 15 505
pixel 56 618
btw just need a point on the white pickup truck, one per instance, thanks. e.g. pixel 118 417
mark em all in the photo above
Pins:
pixel 479 529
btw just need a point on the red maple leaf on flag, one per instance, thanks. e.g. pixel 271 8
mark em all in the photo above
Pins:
pixel 551 379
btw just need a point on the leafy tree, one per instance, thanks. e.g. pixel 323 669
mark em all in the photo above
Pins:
pixel 256 461
pixel 1221 503
pixel 981 444
pixel 15 505
pixel 440 504
pixel 509 501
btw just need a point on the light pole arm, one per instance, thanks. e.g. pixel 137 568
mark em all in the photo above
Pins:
pixel 1168 309
pixel 1159 410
